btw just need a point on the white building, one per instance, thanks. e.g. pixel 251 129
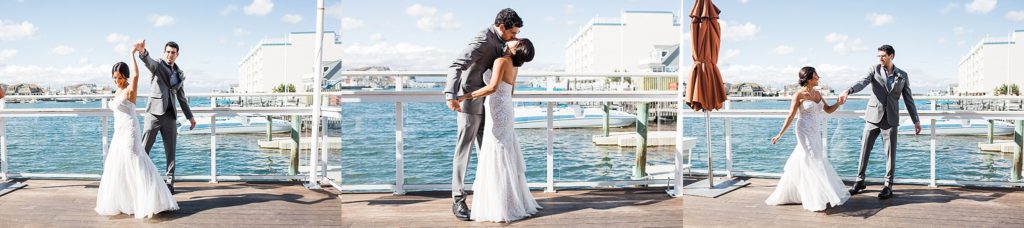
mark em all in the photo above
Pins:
pixel 620 44
pixel 273 62
pixel 992 63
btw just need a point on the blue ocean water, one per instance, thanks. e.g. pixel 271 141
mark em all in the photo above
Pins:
pixel 73 145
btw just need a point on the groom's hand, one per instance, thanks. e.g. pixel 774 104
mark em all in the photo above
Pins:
pixel 917 128
pixel 842 98
pixel 454 105
pixel 193 124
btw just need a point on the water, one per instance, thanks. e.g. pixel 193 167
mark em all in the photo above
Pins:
pixel 73 145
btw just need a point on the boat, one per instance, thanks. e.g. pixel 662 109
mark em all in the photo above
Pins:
pixel 234 125
pixel 570 117
pixel 966 127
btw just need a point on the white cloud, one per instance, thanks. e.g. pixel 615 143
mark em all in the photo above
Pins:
pixel 240 32
pixel 259 8
pixel 949 8
pixel 783 50
pixel 291 18
pixel 83 60
pixel 349 23
pixel 160 20
pixel 958 30
pixel 376 37
pixel 11 30
pixel 745 31
pixel 62 50
pixel 802 60
pixel 430 20
pixel 729 55
pixel 843 44
pixel 980 6
pixel 117 38
pixel 570 23
pixel 880 19
pixel 400 56
pixel 71 74
pixel 334 11
pixel 228 10
pixel 549 19
pixel 1017 16
pixel 569 9
pixel 7 54
pixel 744 1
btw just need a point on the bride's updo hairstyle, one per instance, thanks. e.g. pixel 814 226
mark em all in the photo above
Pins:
pixel 806 74
pixel 524 53
pixel 119 67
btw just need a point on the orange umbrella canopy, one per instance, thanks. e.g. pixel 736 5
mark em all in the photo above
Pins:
pixel 705 91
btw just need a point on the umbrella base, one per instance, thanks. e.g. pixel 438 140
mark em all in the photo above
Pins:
pixel 7 187
pixel 701 188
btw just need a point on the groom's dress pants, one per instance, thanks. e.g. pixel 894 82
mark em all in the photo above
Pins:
pixel 871 133
pixel 166 125
pixel 470 130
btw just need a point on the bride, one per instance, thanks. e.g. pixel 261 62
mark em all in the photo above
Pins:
pixel 808 177
pixel 130 183
pixel 501 193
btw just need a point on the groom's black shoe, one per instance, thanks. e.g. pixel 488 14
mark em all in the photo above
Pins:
pixel 886 193
pixel 857 187
pixel 460 209
pixel 170 188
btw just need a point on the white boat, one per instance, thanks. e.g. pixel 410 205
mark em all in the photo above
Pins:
pixel 972 127
pixel 234 125
pixel 570 117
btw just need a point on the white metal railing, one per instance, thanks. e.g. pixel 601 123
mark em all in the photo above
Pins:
pixel 400 96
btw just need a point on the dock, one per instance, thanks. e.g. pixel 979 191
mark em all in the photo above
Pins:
pixel 629 139
pixel 1004 146
pixel 333 143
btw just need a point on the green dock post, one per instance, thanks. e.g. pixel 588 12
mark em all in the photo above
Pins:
pixel 1018 139
pixel 293 165
pixel 991 131
pixel 606 113
pixel 270 127
pixel 640 168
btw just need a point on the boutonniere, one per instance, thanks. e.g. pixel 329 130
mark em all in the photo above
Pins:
pixel 899 75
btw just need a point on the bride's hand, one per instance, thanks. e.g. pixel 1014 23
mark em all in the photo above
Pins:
pixel 776 139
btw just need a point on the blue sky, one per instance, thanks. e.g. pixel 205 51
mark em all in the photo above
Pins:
pixel 60 42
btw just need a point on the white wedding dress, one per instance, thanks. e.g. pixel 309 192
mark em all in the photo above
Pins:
pixel 500 193
pixel 130 183
pixel 809 178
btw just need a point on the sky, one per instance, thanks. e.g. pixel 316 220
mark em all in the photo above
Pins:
pixel 61 42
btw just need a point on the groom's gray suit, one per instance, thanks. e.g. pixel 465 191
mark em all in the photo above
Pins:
pixel 161 116
pixel 882 115
pixel 465 75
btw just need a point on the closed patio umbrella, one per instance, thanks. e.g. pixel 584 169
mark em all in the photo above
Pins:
pixel 705 91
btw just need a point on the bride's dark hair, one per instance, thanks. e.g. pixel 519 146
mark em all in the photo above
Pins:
pixel 524 53
pixel 120 67
pixel 806 74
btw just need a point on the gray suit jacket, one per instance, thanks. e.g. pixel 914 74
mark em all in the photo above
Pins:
pixel 162 90
pixel 886 102
pixel 465 75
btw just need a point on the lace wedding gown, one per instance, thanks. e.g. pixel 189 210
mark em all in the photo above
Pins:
pixel 500 193
pixel 130 183
pixel 809 178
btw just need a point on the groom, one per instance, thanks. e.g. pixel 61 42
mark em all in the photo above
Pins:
pixel 465 75
pixel 161 117
pixel 882 116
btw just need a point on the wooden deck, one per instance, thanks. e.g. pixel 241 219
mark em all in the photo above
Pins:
pixel 66 203
pixel 911 206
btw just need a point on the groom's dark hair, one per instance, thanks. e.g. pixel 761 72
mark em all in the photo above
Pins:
pixel 173 45
pixel 887 49
pixel 509 18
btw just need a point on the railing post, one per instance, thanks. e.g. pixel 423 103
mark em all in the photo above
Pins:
pixel 296 147
pixel 550 133
pixel 728 147
pixel 270 127
pixel 934 105
pixel 932 183
pixel 399 142
pixel 104 121
pixel 213 149
pixel 3 141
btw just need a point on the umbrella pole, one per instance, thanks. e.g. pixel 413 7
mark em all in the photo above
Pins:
pixel 707 125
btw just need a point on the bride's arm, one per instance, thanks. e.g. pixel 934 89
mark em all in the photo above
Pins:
pixel 830 108
pixel 789 119
pixel 133 81
pixel 497 73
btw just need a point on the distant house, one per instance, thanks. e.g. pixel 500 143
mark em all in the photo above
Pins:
pixel 747 89
pixel 26 89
